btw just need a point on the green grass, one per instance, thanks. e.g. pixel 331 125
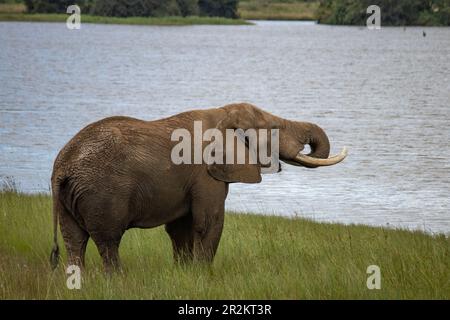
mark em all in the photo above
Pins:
pixel 278 10
pixel 259 257
pixel 159 21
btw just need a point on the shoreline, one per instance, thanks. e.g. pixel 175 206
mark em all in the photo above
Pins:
pixel 154 21
pixel 173 21
pixel 12 190
pixel 248 10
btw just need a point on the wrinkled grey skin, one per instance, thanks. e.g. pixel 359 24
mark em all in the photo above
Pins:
pixel 117 174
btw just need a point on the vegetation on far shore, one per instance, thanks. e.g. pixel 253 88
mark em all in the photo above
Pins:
pixel 141 8
pixel 17 12
pixel 160 21
pixel 259 257
pixel 393 13
pixel 350 12
pixel 278 10
pixel 339 12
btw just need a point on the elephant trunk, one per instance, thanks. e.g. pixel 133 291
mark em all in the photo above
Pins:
pixel 318 141
pixel 320 148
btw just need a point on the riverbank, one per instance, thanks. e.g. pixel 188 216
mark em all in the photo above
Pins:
pixel 159 21
pixel 330 12
pixel 16 12
pixel 248 10
pixel 259 257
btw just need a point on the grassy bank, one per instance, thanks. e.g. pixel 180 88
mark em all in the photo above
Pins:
pixel 160 21
pixel 258 257
pixel 16 12
pixel 278 10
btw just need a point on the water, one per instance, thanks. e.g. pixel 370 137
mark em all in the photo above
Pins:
pixel 384 94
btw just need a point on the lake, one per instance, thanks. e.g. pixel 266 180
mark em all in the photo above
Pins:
pixel 385 94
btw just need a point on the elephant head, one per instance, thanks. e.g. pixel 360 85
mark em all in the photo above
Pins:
pixel 293 136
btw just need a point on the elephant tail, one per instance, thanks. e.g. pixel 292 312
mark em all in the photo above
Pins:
pixel 57 207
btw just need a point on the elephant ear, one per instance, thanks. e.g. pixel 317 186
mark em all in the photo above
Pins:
pixel 248 171
pixel 245 171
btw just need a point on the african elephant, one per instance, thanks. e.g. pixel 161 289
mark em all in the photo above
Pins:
pixel 117 174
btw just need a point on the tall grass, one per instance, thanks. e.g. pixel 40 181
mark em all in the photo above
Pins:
pixel 259 257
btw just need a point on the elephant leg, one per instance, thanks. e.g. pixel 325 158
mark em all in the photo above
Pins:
pixel 107 243
pixel 106 226
pixel 75 239
pixel 207 233
pixel 180 232
pixel 208 210
pixel 109 251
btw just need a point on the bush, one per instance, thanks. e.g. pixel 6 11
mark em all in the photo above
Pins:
pixel 395 13
pixel 219 8
pixel 55 6
pixel 133 8
pixel 144 8
pixel 188 7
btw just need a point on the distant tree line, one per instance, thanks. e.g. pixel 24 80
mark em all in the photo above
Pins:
pixel 393 12
pixel 144 8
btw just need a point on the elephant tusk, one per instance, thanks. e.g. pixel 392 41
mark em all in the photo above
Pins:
pixel 316 162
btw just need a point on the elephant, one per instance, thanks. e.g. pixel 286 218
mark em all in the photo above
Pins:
pixel 117 173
